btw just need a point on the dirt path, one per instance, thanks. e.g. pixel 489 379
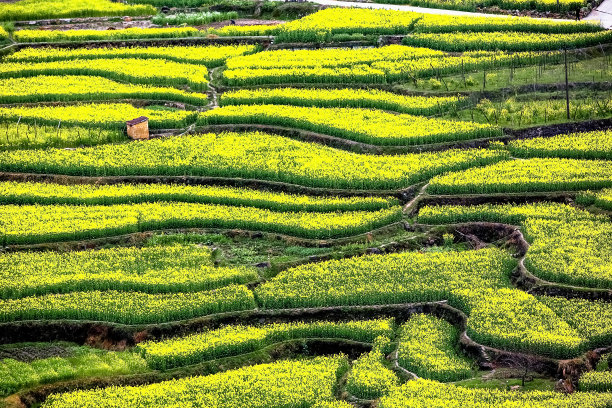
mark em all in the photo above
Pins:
pixel 338 3
pixel 603 13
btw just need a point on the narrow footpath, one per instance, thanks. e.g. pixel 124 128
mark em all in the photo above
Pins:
pixel 339 3
pixel 603 13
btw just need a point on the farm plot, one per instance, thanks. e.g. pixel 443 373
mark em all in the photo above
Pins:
pixel 588 145
pixel 248 155
pixel 51 36
pixel 306 383
pixel 566 6
pixel 361 125
pixel 43 193
pixel 210 56
pixel 499 316
pixel 72 88
pixel 332 21
pixel 105 115
pixel 596 381
pixel 44 9
pixel 505 41
pixel 342 98
pixel 36 224
pixel 567 246
pixel 506 213
pixel 540 109
pixel 369 377
pixel 369 66
pixel 526 175
pixel 233 340
pixel 427 347
pixel 601 198
pixel 430 392
pixel 82 362
pixel 33 136
pixel 127 307
pixel 153 269
pixel 133 70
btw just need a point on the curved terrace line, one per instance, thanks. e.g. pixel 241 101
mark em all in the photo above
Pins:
pixel 522 278
pixel 274 352
pixel 235 232
pixel 277 186
pixel 347 144
pixel 80 331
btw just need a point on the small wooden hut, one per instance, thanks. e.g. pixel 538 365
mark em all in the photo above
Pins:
pixel 138 129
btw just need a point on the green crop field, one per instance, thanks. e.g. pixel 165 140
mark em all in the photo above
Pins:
pixel 284 204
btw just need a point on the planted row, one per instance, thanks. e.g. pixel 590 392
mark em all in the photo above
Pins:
pixel 330 57
pixel 246 155
pixel 155 269
pixel 96 194
pixel 233 340
pixel 210 56
pixel 127 307
pixel 589 318
pixel 602 199
pixel 304 383
pixel 568 245
pixel 505 41
pixel 104 115
pixel 32 36
pixel 322 25
pixel 518 176
pixel 476 282
pixel 14 135
pixel 45 9
pixel 504 213
pixel 588 145
pixel 131 70
pixel 71 88
pixel 516 113
pixel 246 30
pixel 428 348
pixel 336 66
pixel 343 98
pixel 369 377
pixel 600 381
pixel 29 224
pixel 204 17
pixel 474 5
pixel 361 125
pixel 575 253
pixel 425 393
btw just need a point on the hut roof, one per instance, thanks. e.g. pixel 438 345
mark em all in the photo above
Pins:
pixel 137 121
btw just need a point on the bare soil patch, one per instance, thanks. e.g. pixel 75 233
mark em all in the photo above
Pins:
pixel 560 129
pixel 241 22
pixel 31 353
pixel 101 25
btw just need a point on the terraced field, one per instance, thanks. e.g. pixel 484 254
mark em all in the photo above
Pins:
pixel 323 208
